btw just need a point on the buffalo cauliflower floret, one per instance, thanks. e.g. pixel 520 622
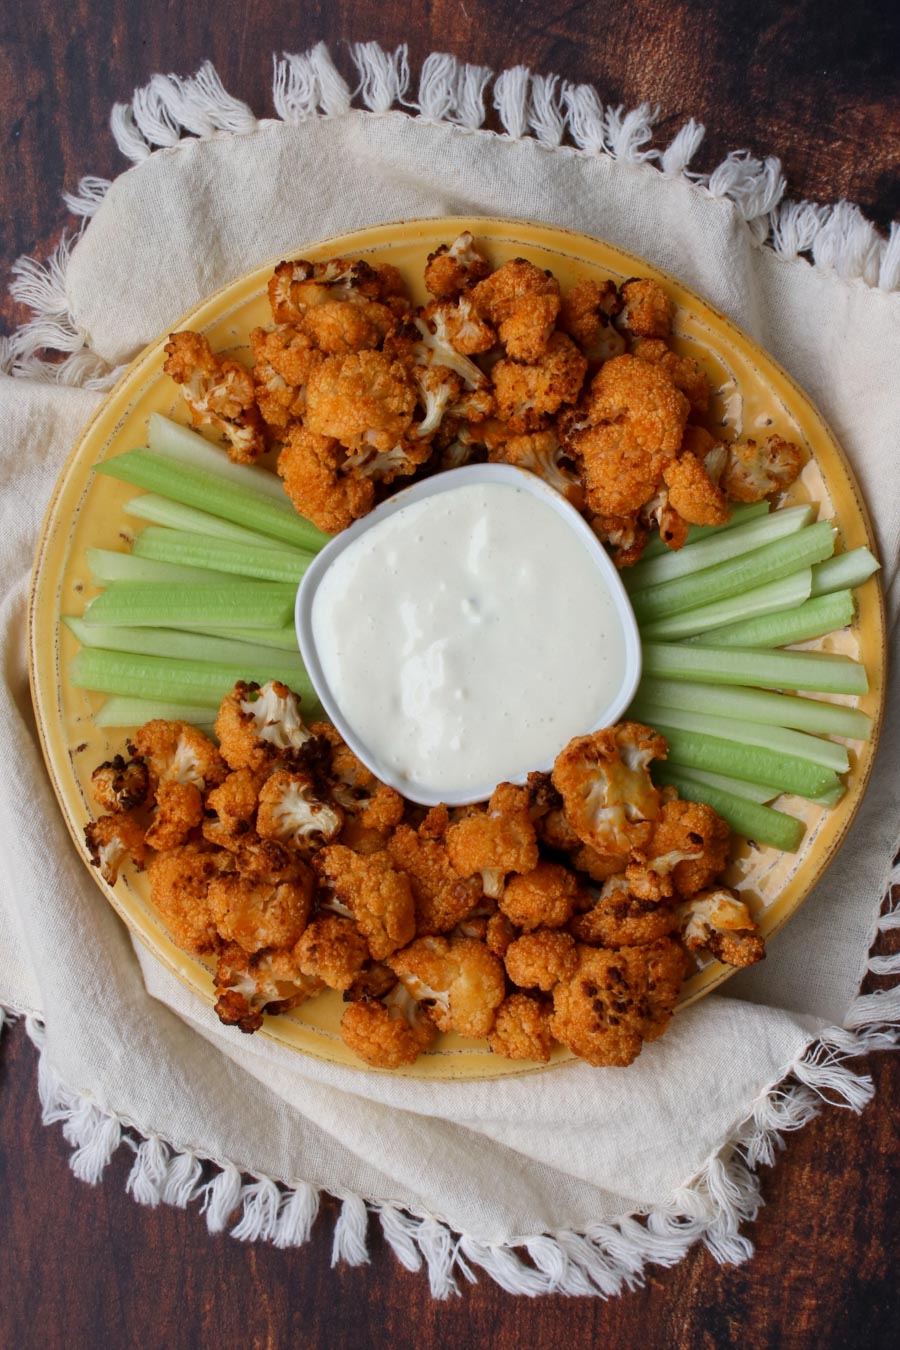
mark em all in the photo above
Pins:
pixel 310 467
pixel 120 784
pixel 297 286
pixel 522 1029
pixel 522 303
pixel 113 839
pixel 598 866
pixel 754 471
pixel 541 959
pixel 179 886
pixel 526 394
pixel 256 724
pixel 378 896
pixel 467 332
pixel 220 394
pixel 543 898
pixel 248 986
pixel 693 494
pixel 342 326
pixel 658 511
pixel 604 779
pixel 438 388
pixel 284 360
pixel 540 453
pixel 647 310
pixel 585 315
pixel 292 810
pixel 383 466
pixel 387 1033
pixel 355 788
pixel 365 400
pixel 718 921
pixel 230 808
pixel 495 841
pixel 626 535
pixel 454 267
pixel 621 919
pixel 615 1000
pixel 498 934
pixel 257 913
pixel 182 764
pixel 694 829
pixel 442 898
pixel 458 979
pixel 178 811
pixel 333 950
pixel 685 373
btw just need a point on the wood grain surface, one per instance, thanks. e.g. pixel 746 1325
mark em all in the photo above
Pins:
pixel 814 83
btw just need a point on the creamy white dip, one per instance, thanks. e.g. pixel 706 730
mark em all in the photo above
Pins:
pixel 467 637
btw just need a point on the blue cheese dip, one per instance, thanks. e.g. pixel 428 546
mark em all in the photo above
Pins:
pixel 468 636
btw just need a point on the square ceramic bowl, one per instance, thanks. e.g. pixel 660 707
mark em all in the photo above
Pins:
pixel 471 475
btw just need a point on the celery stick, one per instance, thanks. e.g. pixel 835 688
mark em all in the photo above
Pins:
pixel 191 447
pixel 754 792
pixel 161 511
pixel 844 571
pixel 757 705
pixel 810 620
pixel 222 555
pixel 238 604
pixel 753 763
pixel 719 546
pixel 284 639
pixel 831 797
pixel 134 712
pixel 159 677
pixel 106 565
pixel 736 576
pixel 784 594
pixel 212 492
pixel 741 512
pixel 181 645
pixel 759 823
pixel 777 739
pixel 747 665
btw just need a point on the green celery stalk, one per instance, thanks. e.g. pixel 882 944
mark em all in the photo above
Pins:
pixel 107 566
pixel 777 739
pixel 697 750
pixel 238 604
pixel 221 555
pixel 179 644
pixel 786 593
pixel 187 446
pixel 161 511
pixel 284 639
pixel 831 797
pixel 746 665
pixel 196 682
pixel 757 705
pixel 844 571
pixel 753 821
pixel 720 545
pixel 812 619
pixel 741 512
pixel 737 575
pixel 134 712
pixel 754 792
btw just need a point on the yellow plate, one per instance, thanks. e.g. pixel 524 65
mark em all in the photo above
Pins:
pixel 753 396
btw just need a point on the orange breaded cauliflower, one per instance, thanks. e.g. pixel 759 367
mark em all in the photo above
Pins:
pixel 342 326
pixel 333 950
pixel 498 934
pixel 543 898
pixel 284 360
pixel 179 886
pixel 647 310
pixel 220 394
pixel 621 919
pixel 383 466
pixel 310 467
pixel 495 841
pixel 355 788
pixel 693 494
pixel 626 535
pixel 297 286
pixel 615 1000
pixel 454 267
pixel 387 1033
pixel 371 891
pixel 365 400
pixel 754 471
pixel 604 779
pixel 522 1029
pixel 256 724
pixel 541 959
pixel 230 808
pixel 585 315
pixel 695 829
pixel 467 332
pixel 684 372
pixel 120 784
pixel 267 982
pixel 522 303
pixel 182 764
pixel 257 913
pixel 113 839
pixel 293 811
pixel 178 811
pixel 442 898
pixel 718 921
pixel 541 453
pixel 458 979
pixel 527 394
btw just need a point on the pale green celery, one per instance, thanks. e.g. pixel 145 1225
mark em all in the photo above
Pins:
pixel 757 705
pixel 786 593
pixel 844 571
pixel 762 565
pixel 185 646
pixel 777 739
pixel 221 555
pixel 106 566
pixel 741 512
pixel 831 797
pixel 759 823
pixel 753 763
pixel 191 447
pixel 812 619
pixel 134 712
pixel 209 490
pixel 195 682
pixel 162 511
pixel 235 604
pixel 719 545
pixel 284 639
pixel 816 671
pixel 754 792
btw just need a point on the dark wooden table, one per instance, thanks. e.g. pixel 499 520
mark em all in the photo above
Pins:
pixel 812 82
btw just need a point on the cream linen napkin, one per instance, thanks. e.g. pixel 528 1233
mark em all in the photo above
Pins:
pixel 540 1177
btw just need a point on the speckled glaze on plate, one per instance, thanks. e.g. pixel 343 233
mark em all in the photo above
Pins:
pixel 753 395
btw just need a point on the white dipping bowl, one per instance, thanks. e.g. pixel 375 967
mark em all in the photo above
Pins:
pixel 471 475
